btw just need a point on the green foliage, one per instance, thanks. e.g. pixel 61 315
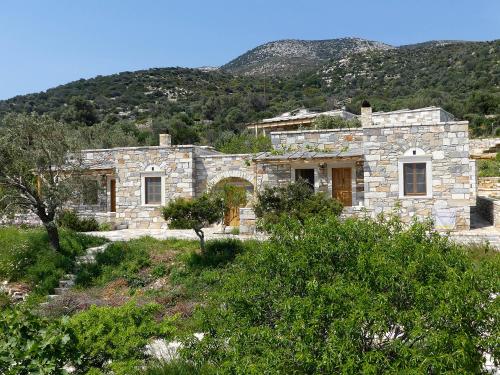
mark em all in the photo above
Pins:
pixel 352 296
pixel 118 260
pixel 335 122
pixel 217 253
pixel 30 344
pixel 490 167
pixel 26 255
pixel 195 214
pixel 244 143
pixel 177 367
pixel 80 112
pixel 117 333
pixel 295 200
pixel 70 220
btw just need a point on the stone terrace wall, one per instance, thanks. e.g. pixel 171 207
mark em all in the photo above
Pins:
pixel 488 186
pixel 412 117
pixel 327 140
pixel 448 146
pixel 480 145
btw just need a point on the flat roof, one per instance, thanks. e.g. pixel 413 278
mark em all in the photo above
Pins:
pixel 305 155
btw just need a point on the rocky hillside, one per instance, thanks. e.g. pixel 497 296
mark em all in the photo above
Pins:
pixel 292 55
pixel 206 105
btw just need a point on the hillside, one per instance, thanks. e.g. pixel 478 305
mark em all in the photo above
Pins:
pixel 206 105
pixel 290 56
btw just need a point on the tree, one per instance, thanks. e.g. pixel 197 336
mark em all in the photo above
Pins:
pixel 335 122
pixel 196 214
pixel 295 200
pixel 36 173
pixel 81 111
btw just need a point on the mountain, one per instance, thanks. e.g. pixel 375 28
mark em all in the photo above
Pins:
pixel 292 55
pixel 205 105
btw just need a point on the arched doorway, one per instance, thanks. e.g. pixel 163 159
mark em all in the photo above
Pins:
pixel 238 192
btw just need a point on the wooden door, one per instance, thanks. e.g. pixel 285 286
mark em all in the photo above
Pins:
pixel 112 186
pixel 342 185
pixel 232 217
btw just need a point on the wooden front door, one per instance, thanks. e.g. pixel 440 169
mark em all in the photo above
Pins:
pixel 232 217
pixel 342 185
pixel 112 195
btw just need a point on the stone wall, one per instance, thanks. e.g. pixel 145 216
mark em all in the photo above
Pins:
pixel 488 186
pixel 422 116
pixel 480 146
pixel 324 140
pixel 247 220
pixel 446 145
pixel 211 169
pixel 174 164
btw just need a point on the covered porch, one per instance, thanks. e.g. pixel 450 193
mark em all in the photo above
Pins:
pixel 340 175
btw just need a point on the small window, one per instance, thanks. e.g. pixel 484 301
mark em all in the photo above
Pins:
pixel 415 179
pixel 305 174
pixel 152 190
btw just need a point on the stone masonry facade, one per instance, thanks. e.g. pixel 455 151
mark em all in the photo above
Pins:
pixel 372 159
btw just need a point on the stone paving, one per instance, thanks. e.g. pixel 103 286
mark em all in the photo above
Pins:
pixel 163 234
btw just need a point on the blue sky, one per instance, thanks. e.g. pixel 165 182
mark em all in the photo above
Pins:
pixel 45 43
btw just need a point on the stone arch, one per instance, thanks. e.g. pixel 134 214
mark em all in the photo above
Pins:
pixel 231 174
pixel 414 151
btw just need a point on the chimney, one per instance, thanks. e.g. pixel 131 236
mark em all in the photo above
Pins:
pixel 366 114
pixel 165 140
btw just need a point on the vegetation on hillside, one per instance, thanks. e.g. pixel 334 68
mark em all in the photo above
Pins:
pixel 197 106
pixel 26 256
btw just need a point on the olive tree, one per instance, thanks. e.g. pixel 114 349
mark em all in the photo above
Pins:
pixel 36 172
pixel 195 214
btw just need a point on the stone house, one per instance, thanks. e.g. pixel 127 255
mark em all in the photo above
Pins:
pixel 417 160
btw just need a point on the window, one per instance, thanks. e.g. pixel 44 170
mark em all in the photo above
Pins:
pixel 152 190
pixel 414 175
pixel 305 174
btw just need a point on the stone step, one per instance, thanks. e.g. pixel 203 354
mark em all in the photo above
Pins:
pixel 60 291
pixel 66 283
pixel 69 276
pixel 121 226
pixel 53 296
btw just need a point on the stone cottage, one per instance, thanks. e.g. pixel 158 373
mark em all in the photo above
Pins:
pixel 417 160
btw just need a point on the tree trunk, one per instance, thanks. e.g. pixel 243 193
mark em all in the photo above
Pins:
pixel 201 236
pixel 53 233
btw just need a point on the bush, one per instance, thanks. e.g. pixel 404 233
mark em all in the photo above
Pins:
pixel 295 200
pixel 335 122
pixel 352 296
pixel 117 334
pixel 26 255
pixel 217 253
pixel 33 345
pixel 118 260
pixel 70 220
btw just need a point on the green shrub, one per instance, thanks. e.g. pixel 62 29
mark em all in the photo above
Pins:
pixel 490 167
pixel 70 220
pixel 335 122
pixel 295 200
pixel 118 260
pixel 118 334
pixel 26 255
pixel 352 296
pixel 30 344
pixel 217 253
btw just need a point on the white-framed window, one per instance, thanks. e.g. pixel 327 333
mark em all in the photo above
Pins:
pixel 153 187
pixel 415 175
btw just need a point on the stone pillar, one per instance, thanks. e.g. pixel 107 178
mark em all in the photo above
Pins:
pixel 165 140
pixel 366 114
pixel 247 220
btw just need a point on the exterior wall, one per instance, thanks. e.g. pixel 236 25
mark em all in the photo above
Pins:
pixel 324 140
pixel 431 115
pixel 211 169
pixel 447 145
pixel 174 164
